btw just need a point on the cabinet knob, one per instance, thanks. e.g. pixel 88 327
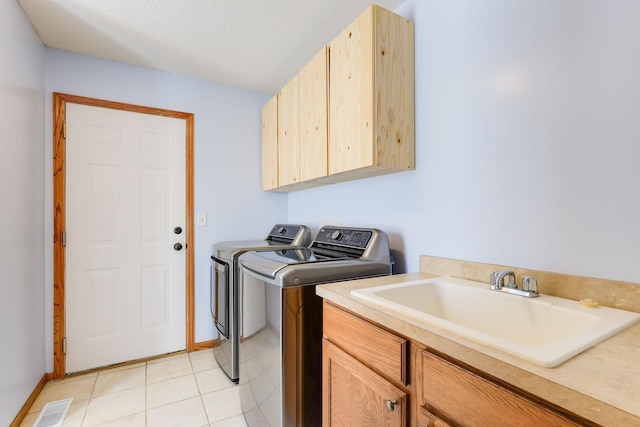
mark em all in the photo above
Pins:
pixel 391 404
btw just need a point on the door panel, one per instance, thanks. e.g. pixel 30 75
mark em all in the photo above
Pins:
pixel 156 297
pixel 125 192
pixel 102 284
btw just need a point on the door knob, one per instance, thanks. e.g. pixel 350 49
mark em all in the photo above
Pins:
pixel 391 404
pixel 177 230
pixel 177 246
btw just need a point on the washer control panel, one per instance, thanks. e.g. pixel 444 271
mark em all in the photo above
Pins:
pixel 344 237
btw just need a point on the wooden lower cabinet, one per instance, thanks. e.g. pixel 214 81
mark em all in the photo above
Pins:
pixel 427 419
pixel 460 397
pixel 438 392
pixel 356 396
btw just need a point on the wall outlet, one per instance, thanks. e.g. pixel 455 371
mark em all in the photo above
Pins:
pixel 201 219
pixel 332 224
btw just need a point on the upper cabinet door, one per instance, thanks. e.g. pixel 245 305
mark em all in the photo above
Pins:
pixel 314 91
pixel 289 133
pixel 270 144
pixel 351 96
pixel 371 101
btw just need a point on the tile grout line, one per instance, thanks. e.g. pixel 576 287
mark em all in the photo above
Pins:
pixel 206 414
pixel 93 389
pixel 146 418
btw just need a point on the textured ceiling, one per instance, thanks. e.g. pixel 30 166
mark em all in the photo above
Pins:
pixel 255 44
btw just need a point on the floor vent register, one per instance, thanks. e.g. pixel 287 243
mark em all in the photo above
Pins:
pixel 53 413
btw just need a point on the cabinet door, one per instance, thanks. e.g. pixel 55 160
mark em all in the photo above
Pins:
pixel 354 395
pixel 394 92
pixel 371 96
pixel 270 144
pixel 351 96
pixel 288 133
pixel 313 117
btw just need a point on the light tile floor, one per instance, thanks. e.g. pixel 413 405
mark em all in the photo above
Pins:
pixel 185 390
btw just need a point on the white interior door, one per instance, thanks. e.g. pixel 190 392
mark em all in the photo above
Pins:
pixel 124 196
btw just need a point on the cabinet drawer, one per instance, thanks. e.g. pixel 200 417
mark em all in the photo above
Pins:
pixel 462 397
pixel 427 419
pixel 381 350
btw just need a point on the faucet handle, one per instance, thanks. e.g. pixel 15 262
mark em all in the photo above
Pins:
pixel 493 277
pixel 529 284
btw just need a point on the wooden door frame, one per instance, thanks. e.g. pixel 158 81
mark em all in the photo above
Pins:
pixel 59 116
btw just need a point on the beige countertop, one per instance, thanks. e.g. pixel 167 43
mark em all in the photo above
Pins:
pixel 601 384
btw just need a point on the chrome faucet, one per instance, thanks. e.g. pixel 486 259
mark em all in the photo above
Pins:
pixel 497 279
pixel 529 287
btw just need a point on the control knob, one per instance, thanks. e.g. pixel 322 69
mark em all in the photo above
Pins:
pixel 282 230
pixel 336 235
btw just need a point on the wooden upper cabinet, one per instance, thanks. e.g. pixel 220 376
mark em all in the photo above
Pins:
pixel 371 102
pixel 313 100
pixel 288 133
pixel 270 144
pixel 349 112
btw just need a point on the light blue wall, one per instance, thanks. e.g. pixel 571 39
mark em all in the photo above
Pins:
pixel 226 148
pixel 22 324
pixel 527 140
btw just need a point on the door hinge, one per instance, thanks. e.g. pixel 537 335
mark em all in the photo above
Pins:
pixel 64 345
pixel 63 238
pixel 64 130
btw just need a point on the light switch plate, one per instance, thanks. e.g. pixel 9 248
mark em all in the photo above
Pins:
pixel 201 219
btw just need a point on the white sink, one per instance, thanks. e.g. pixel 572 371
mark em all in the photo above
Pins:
pixel 545 330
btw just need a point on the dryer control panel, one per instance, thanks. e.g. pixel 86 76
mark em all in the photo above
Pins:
pixel 296 235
